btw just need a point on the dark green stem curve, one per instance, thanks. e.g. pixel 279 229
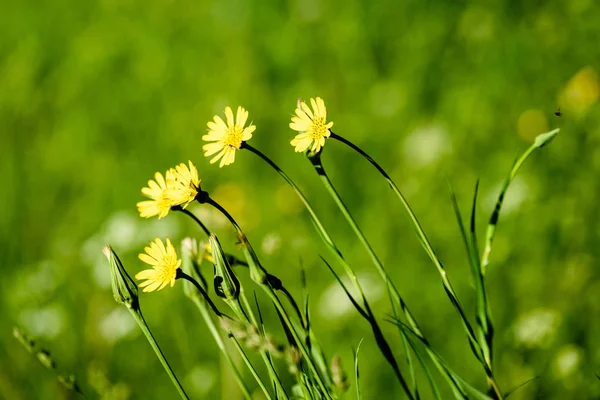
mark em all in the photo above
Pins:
pixel 183 275
pixel 191 215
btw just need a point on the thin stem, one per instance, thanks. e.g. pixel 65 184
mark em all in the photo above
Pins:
pixel 429 250
pixel 491 230
pixel 395 294
pixel 248 317
pixel 142 323
pixel 191 215
pixel 250 367
pixel 278 305
pixel 181 274
pixel 299 193
pixel 214 331
pixel 324 235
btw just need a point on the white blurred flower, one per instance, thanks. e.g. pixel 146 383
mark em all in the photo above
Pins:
pixel 537 328
pixel 117 325
pixel 271 243
pixel 567 360
pixel 426 145
pixel 47 322
pixel 514 197
pixel 334 302
pixel 201 379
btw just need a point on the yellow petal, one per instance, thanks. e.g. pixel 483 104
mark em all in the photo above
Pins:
pixel 147 259
pixel 229 116
pixel 241 117
pixel 146 274
pixel 247 134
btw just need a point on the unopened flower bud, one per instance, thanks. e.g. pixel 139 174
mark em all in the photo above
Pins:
pixel 226 283
pixel 125 290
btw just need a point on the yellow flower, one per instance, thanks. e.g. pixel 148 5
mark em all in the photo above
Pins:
pixel 164 264
pixel 227 137
pixel 183 184
pixel 157 191
pixel 312 125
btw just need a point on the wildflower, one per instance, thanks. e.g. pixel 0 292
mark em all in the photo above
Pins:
pixel 157 192
pixel 312 125
pixel 164 264
pixel 183 184
pixel 227 137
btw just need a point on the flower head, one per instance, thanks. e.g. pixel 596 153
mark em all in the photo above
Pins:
pixel 312 125
pixel 159 204
pixel 164 262
pixel 183 184
pixel 227 137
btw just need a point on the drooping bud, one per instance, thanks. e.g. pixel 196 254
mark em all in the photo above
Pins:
pixel 226 283
pixel 125 291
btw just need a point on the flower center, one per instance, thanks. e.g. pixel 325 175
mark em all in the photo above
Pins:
pixel 167 270
pixel 234 136
pixel 319 128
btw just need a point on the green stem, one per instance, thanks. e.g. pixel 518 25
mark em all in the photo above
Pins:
pixel 215 332
pixel 305 353
pixel 192 216
pixel 395 294
pixel 491 229
pixel 137 314
pixel 250 367
pixel 248 317
pixel 324 235
pixel 183 275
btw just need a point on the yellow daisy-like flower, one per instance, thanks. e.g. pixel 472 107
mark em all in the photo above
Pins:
pixel 312 125
pixel 183 185
pixel 227 137
pixel 159 204
pixel 164 262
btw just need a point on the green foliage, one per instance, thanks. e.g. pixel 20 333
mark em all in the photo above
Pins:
pixel 95 97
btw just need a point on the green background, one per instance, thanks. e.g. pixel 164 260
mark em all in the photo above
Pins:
pixel 97 96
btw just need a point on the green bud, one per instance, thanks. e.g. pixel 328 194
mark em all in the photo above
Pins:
pixel 257 273
pixel 125 291
pixel 545 138
pixel 225 281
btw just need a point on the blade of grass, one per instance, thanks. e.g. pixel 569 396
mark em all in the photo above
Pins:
pixel 455 376
pixel 356 373
pixel 323 234
pixel 395 294
pixel 540 141
pixel 484 327
pixel 473 342
pixel 511 391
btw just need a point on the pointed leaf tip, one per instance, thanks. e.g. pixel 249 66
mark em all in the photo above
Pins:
pixel 545 138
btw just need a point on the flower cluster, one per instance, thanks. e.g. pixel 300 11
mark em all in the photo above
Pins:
pixel 227 136
pixel 179 187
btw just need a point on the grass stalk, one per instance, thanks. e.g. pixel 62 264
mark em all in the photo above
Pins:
pixel 137 315
pixel 324 235
pixel 252 261
pixel 392 290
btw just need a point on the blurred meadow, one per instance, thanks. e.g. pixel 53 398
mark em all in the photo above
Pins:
pixel 96 96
